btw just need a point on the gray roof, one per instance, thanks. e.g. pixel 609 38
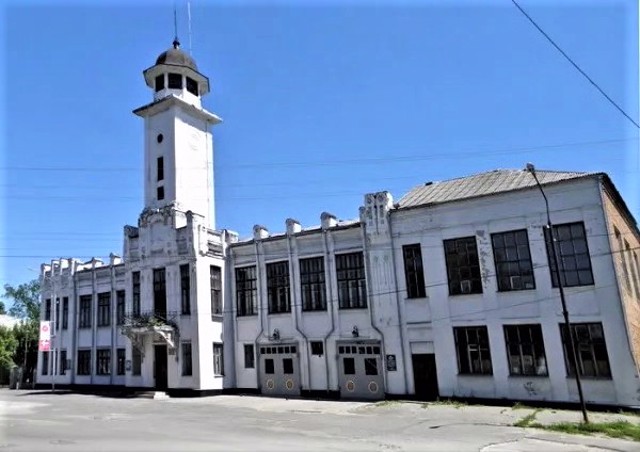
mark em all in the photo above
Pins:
pixel 483 184
pixel 176 57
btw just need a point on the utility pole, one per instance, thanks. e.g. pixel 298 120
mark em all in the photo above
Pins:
pixel 554 252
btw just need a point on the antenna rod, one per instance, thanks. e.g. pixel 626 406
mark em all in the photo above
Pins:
pixel 175 20
pixel 189 14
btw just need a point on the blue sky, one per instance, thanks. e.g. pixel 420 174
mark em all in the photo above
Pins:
pixel 322 102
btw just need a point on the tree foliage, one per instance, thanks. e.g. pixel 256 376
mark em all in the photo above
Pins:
pixel 8 346
pixel 25 300
pixel 2 308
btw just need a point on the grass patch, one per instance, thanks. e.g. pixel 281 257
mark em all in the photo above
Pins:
pixel 521 406
pixel 617 429
pixel 445 402
pixel 527 420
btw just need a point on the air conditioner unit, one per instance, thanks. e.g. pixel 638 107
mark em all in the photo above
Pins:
pixel 465 286
pixel 515 282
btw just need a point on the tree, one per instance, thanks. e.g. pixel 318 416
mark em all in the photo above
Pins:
pixel 8 345
pixel 26 300
pixel 2 309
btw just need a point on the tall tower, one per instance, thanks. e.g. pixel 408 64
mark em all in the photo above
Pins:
pixel 178 144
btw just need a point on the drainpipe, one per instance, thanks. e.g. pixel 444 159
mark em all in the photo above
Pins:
pixel 399 305
pixel 94 319
pixel 292 280
pixel 114 321
pixel 259 308
pixel 76 312
pixel 330 305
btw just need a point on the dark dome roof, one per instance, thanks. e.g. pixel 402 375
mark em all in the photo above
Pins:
pixel 176 57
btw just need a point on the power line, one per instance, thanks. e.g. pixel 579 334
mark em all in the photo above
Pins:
pixel 575 65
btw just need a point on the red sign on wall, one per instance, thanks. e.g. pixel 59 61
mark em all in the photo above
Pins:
pixel 44 344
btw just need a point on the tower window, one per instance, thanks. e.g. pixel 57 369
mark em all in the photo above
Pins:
pixel 159 138
pixel 160 193
pixel 159 82
pixel 175 81
pixel 160 168
pixel 192 86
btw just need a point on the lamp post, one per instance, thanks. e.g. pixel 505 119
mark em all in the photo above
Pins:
pixel 554 252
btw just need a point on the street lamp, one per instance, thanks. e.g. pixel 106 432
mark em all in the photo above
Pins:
pixel 554 252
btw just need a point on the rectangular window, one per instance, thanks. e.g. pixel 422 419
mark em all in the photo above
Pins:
pixel 472 347
pixel 287 366
pixel 104 309
pixel 192 86
pixel 120 365
pixel 175 81
pixel 591 350
pixel 45 363
pixel 463 266
pixel 215 284
pixel 371 366
pixel 135 293
pixel 249 356
pixel 84 311
pixel 160 82
pixel 637 274
pixel 187 364
pixel 57 314
pixel 268 366
pixel 120 305
pixel 352 281
pixel 103 362
pixel 47 309
pixel 84 362
pixel 349 366
pixel 160 193
pixel 218 360
pixel 317 348
pixel 63 362
pixel 312 284
pixel 246 291
pixel 136 361
pixel 573 255
pixel 278 287
pixel 628 264
pixel 159 292
pixel 185 289
pixel 65 313
pixel 413 272
pixel 514 270
pixel 160 168
pixel 525 350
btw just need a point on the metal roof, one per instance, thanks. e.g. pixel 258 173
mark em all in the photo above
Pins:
pixel 483 184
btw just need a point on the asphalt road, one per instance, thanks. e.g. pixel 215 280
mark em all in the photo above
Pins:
pixel 41 421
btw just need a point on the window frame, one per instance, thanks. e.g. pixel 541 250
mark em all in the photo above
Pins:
pixel 278 287
pixel 525 338
pixel 104 310
pixel 136 362
pixel 135 293
pixel 45 363
pixel 246 280
pixel 65 313
pixel 159 86
pixel 160 193
pixel 186 356
pixel 351 279
pixel 414 271
pixel 249 351
pixel 215 287
pixel 160 168
pixel 192 86
pixel 103 361
pixel 218 359
pixel 579 342
pixel 63 362
pixel 84 364
pixel 120 306
pixel 516 256
pixel 85 311
pixel 561 254
pixel 452 250
pixel 482 348
pixel 313 285
pixel 185 289
pixel 121 359
pixel 174 81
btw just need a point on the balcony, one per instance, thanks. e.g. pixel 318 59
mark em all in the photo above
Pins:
pixel 159 325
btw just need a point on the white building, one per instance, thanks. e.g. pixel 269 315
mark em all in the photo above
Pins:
pixel 446 293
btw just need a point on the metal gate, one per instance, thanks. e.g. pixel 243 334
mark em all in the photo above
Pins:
pixel 280 370
pixel 360 371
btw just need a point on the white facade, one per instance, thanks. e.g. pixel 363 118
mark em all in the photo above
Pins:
pixel 446 293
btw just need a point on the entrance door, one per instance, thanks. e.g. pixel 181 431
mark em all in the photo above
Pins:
pixel 279 370
pixel 360 371
pixel 160 366
pixel 425 378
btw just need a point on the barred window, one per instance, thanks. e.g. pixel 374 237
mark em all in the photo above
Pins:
pixel 65 313
pixel 514 270
pixel 278 287
pixel 121 357
pixel 84 362
pixel 135 293
pixel 463 266
pixel 472 347
pixel 218 360
pixel 160 292
pixel 185 289
pixel 573 255
pixel 312 284
pixel 352 281
pixel 120 306
pixel 246 291
pixel 136 361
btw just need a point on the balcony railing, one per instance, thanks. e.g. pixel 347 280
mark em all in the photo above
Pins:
pixel 160 324
pixel 151 319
